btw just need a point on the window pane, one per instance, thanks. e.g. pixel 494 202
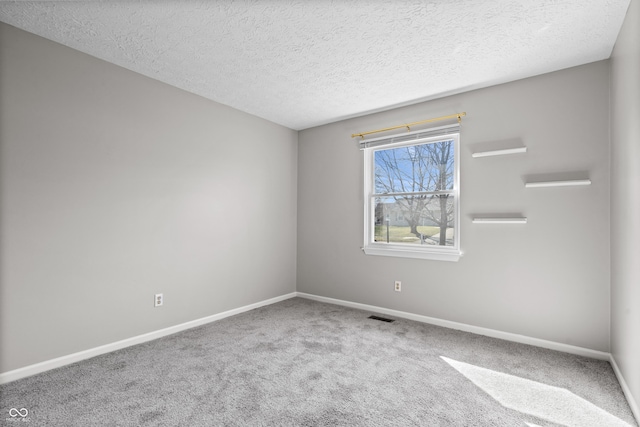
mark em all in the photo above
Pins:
pixel 423 167
pixel 415 220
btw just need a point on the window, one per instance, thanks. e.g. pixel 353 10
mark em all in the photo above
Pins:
pixel 412 195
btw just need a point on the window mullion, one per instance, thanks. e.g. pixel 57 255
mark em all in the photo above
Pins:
pixel 415 193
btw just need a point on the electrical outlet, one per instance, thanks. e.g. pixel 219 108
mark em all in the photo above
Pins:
pixel 398 286
pixel 159 300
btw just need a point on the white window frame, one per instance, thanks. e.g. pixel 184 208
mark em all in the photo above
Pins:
pixel 430 252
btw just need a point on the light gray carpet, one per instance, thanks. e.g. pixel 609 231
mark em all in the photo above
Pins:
pixel 305 363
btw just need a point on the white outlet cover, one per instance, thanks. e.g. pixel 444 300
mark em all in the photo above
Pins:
pixel 158 300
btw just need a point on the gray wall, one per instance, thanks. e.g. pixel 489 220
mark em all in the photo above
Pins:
pixel 115 187
pixel 625 201
pixel 548 279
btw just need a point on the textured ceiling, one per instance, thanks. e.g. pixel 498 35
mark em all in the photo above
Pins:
pixel 306 63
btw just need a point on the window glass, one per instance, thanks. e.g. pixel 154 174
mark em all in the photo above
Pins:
pixel 412 198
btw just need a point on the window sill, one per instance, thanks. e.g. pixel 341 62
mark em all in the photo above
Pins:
pixel 401 252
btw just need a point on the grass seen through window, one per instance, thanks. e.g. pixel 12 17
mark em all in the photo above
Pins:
pixel 399 234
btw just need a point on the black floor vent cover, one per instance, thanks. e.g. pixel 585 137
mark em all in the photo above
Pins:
pixel 383 319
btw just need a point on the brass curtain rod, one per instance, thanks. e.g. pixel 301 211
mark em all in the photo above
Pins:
pixel 408 125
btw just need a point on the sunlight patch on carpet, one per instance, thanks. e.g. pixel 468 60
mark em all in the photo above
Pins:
pixel 554 404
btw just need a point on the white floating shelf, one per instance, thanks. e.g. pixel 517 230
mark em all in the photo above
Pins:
pixel 558 183
pixel 500 152
pixel 499 220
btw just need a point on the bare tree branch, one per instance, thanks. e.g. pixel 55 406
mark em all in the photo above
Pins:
pixel 419 168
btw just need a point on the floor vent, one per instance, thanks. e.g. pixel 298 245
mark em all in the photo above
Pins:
pixel 382 319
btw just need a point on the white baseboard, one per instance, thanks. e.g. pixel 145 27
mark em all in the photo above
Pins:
pixel 523 339
pixel 625 389
pixel 86 354
pixel 47 365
